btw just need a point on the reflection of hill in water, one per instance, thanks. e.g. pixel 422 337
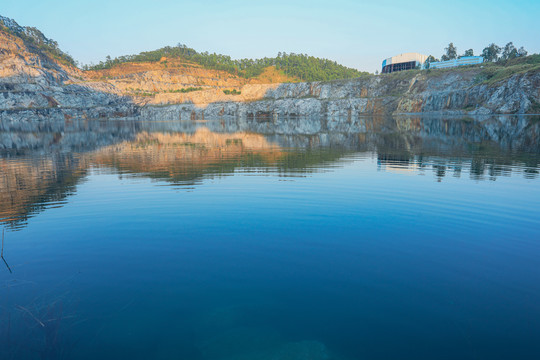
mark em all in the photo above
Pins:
pixel 185 153
pixel 28 186
pixel 183 158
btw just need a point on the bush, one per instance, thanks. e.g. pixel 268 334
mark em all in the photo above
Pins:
pixel 186 90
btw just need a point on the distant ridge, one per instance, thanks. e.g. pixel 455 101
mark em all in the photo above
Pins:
pixel 301 66
pixel 35 40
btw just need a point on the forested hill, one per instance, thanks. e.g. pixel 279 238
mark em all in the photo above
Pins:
pixel 35 41
pixel 301 66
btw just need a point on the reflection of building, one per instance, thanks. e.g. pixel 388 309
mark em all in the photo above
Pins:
pixel 401 62
pixel 398 163
pixel 465 60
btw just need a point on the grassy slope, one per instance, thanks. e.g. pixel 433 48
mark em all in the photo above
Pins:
pixel 493 73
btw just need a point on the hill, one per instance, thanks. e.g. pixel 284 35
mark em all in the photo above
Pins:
pixel 36 75
pixel 35 41
pixel 38 79
pixel 301 66
pixel 181 74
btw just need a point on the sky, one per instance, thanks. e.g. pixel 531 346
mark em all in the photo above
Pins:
pixel 358 34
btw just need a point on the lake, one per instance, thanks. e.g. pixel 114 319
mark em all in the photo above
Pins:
pixel 282 238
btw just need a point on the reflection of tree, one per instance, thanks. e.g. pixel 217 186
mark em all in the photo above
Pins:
pixel 185 153
pixel 185 159
pixel 478 167
pixel 28 187
pixel 491 147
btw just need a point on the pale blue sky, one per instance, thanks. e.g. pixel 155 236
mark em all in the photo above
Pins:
pixel 358 34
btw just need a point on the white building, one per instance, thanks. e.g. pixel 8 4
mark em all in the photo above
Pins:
pixel 401 62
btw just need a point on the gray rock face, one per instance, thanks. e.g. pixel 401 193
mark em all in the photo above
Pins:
pixel 448 93
pixel 35 88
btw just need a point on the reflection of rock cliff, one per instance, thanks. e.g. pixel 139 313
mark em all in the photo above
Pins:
pixel 185 153
pixel 29 186
pixel 34 182
pixel 63 135
pixel 185 157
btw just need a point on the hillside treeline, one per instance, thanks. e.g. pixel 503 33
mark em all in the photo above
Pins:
pixel 301 66
pixel 35 40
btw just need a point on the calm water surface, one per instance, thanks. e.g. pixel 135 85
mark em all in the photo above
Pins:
pixel 375 238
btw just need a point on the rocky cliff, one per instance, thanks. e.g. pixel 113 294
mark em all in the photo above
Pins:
pixel 453 91
pixel 38 81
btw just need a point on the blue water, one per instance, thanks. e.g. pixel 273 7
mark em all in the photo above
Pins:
pixel 266 241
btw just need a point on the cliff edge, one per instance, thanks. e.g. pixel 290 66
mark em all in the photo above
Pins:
pixel 38 79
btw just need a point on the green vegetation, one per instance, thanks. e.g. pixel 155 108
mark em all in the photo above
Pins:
pixel 37 42
pixel 491 53
pixel 493 73
pixel 186 90
pixel 232 92
pixel 499 63
pixel 301 66
pixel 509 52
pixel 469 52
pixel 450 53
pixel 141 92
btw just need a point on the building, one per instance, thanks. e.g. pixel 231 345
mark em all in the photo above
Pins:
pixel 401 62
pixel 410 61
pixel 465 60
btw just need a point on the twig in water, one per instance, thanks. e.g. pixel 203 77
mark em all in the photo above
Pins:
pixel 32 315
pixel 2 252
pixel 5 262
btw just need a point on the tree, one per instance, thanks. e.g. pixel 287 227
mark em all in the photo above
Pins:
pixel 509 52
pixel 451 52
pixel 522 52
pixel 431 59
pixel 469 52
pixel 491 52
